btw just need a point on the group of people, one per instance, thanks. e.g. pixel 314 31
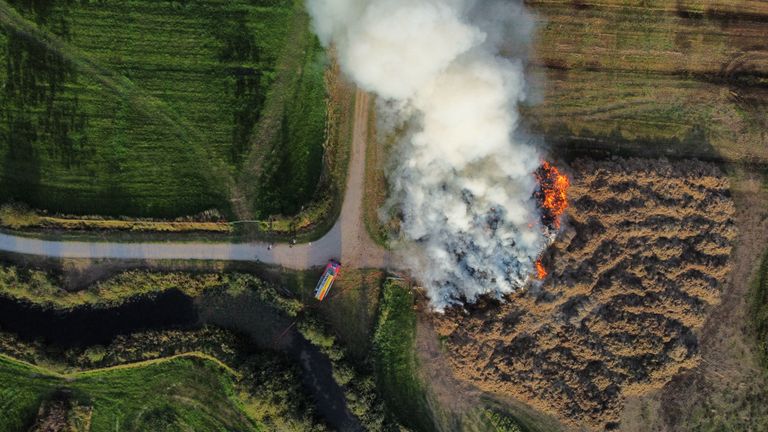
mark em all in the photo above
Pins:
pixel 291 244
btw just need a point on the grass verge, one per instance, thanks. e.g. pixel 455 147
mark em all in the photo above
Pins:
pixel 759 309
pixel 18 217
pixel 376 187
pixel 395 359
pixel 353 298
pixel 42 288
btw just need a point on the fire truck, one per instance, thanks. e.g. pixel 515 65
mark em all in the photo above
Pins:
pixel 326 280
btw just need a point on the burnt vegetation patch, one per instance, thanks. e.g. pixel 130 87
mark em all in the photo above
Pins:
pixel 619 313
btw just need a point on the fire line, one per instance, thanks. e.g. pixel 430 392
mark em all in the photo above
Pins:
pixel 552 194
pixel 552 199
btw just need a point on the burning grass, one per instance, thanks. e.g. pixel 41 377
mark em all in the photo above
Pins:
pixel 552 194
pixel 632 277
pixel 552 200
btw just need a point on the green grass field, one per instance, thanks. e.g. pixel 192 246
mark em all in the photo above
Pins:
pixel 759 309
pixel 149 108
pixel 289 178
pixel 395 358
pixel 178 394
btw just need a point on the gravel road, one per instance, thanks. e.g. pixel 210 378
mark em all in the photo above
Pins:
pixel 347 240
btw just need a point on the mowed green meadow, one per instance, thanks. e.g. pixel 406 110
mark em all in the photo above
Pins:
pixel 176 394
pixel 148 108
pixel 395 359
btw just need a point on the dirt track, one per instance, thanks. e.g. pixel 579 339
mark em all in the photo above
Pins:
pixel 347 240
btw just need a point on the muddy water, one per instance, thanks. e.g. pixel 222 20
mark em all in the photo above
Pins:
pixel 85 326
pixel 268 329
pixel 244 313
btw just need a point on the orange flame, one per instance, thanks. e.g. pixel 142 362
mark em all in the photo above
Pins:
pixel 552 199
pixel 541 272
pixel 552 195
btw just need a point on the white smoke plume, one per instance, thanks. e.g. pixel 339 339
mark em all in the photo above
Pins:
pixel 462 181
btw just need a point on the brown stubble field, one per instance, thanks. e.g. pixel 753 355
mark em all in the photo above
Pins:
pixel 727 389
pixel 682 80
pixel 633 276
pixel 676 78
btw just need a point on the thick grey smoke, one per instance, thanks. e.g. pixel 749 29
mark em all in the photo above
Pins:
pixel 461 179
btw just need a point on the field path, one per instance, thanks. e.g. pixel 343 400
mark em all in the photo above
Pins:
pixel 347 240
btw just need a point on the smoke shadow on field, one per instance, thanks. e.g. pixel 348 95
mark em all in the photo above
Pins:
pixel 569 145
